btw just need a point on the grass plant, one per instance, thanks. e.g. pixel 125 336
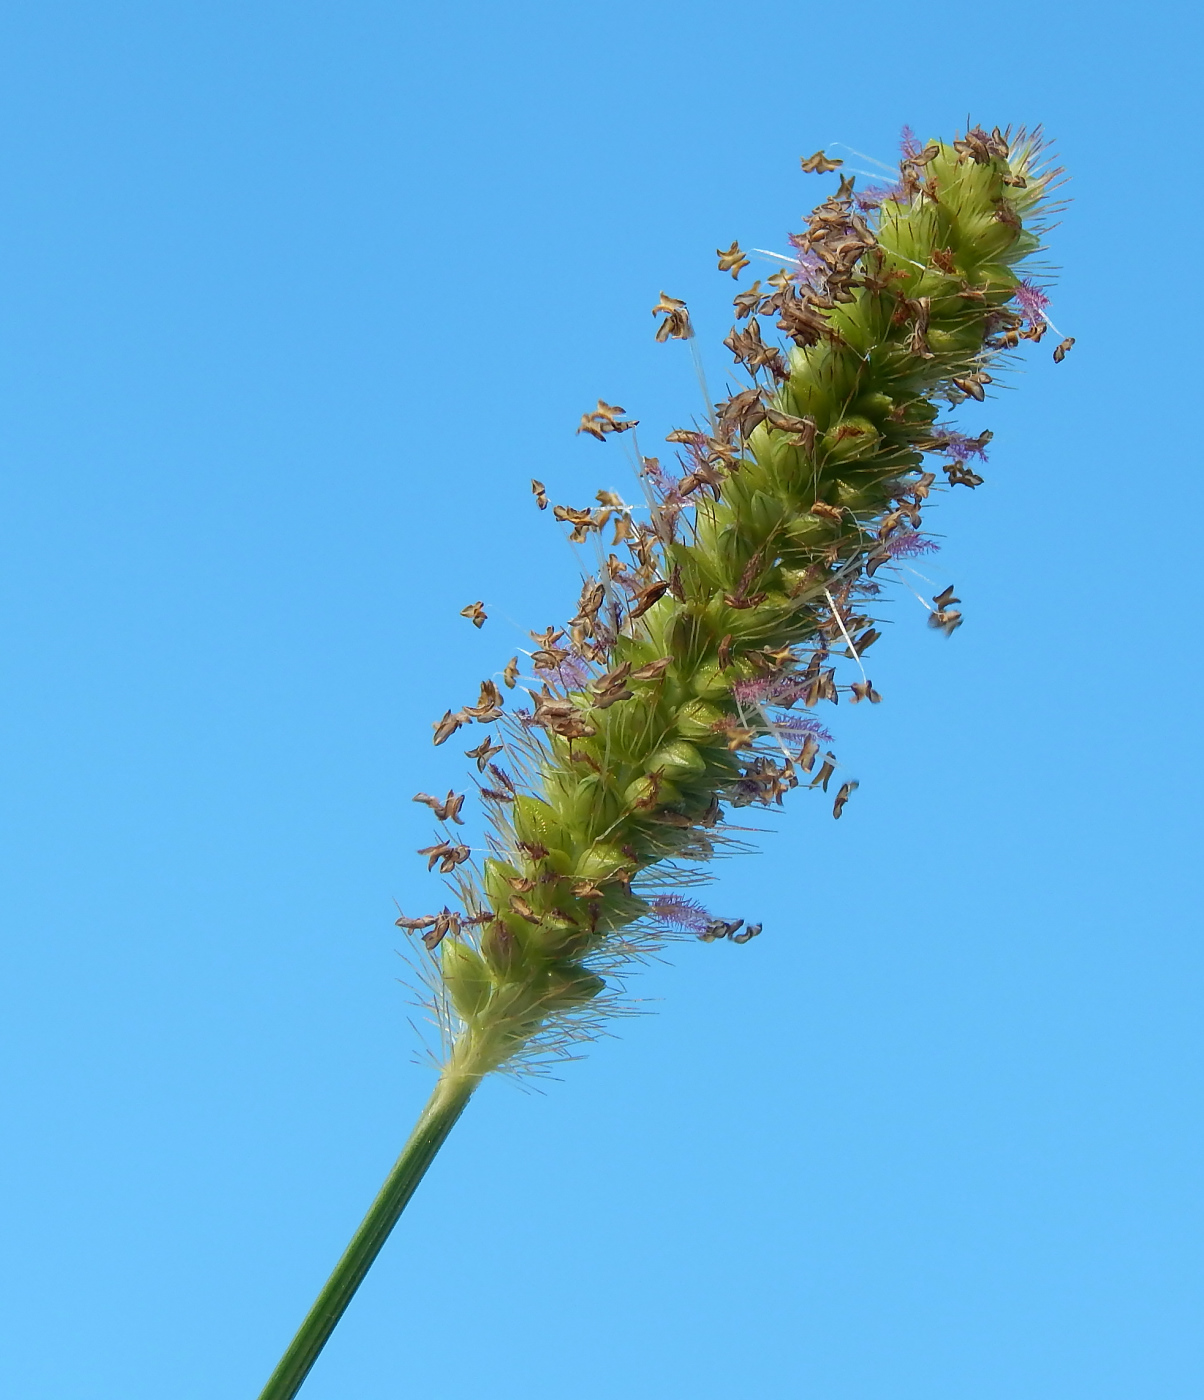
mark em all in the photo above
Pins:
pixel 689 682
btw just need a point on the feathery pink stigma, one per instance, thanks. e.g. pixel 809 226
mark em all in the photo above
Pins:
pixel 874 195
pixel 754 692
pixel 681 913
pixel 787 689
pixel 810 271
pixel 961 448
pixel 909 144
pixel 798 726
pixel 665 483
pixel 910 545
pixel 572 673
pixel 1031 300
pixel 697 451
pixel 781 690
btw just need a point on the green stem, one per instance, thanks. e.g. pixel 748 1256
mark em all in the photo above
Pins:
pixel 438 1118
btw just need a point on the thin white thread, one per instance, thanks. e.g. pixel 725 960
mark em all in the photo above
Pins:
pixel 890 169
pixel 845 633
pixel 912 591
pixel 773 729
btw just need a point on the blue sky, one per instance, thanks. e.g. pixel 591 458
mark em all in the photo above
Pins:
pixel 296 298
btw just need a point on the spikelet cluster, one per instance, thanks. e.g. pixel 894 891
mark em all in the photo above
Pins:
pixel 687 682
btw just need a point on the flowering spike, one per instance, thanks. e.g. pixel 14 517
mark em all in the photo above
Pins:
pixel 688 680
pixel 797 491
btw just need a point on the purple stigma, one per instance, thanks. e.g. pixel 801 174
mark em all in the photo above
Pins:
pixel 908 544
pixel 755 692
pixel 781 690
pixel 697 450
pixel 810 271
pixel 874 195
pixel 572 674
pixel 1031 300
pixel 961 448
pixel 909 144
pixel 799 726
pixel 681 913
pixel 787 689
pixel 665 483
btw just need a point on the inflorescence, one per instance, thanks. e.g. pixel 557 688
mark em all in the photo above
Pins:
pixel 688 680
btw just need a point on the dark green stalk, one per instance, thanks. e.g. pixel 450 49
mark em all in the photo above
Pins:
pixel 438 1118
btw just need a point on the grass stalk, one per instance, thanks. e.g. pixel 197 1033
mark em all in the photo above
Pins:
pixel 444 1107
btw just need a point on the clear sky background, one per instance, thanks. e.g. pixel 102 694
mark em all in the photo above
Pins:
pixel 296 298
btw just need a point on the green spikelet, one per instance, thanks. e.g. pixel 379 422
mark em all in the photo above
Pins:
pixel 651 709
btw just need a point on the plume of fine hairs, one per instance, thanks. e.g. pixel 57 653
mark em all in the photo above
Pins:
pixel 687 681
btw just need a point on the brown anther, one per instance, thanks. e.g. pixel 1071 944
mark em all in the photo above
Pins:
pixel 676 325
pixel 448 725
pixel 447 810
pixel 732 261
pixel 653 671
pixel 647 596
pixel 864 690
pixel 446 923
pixel 823 777
pixel 446 855
pixel 483 752
pixel 819 164
pixel 489 704
pixel 415 925
pixel 827 512
pixel 842 797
